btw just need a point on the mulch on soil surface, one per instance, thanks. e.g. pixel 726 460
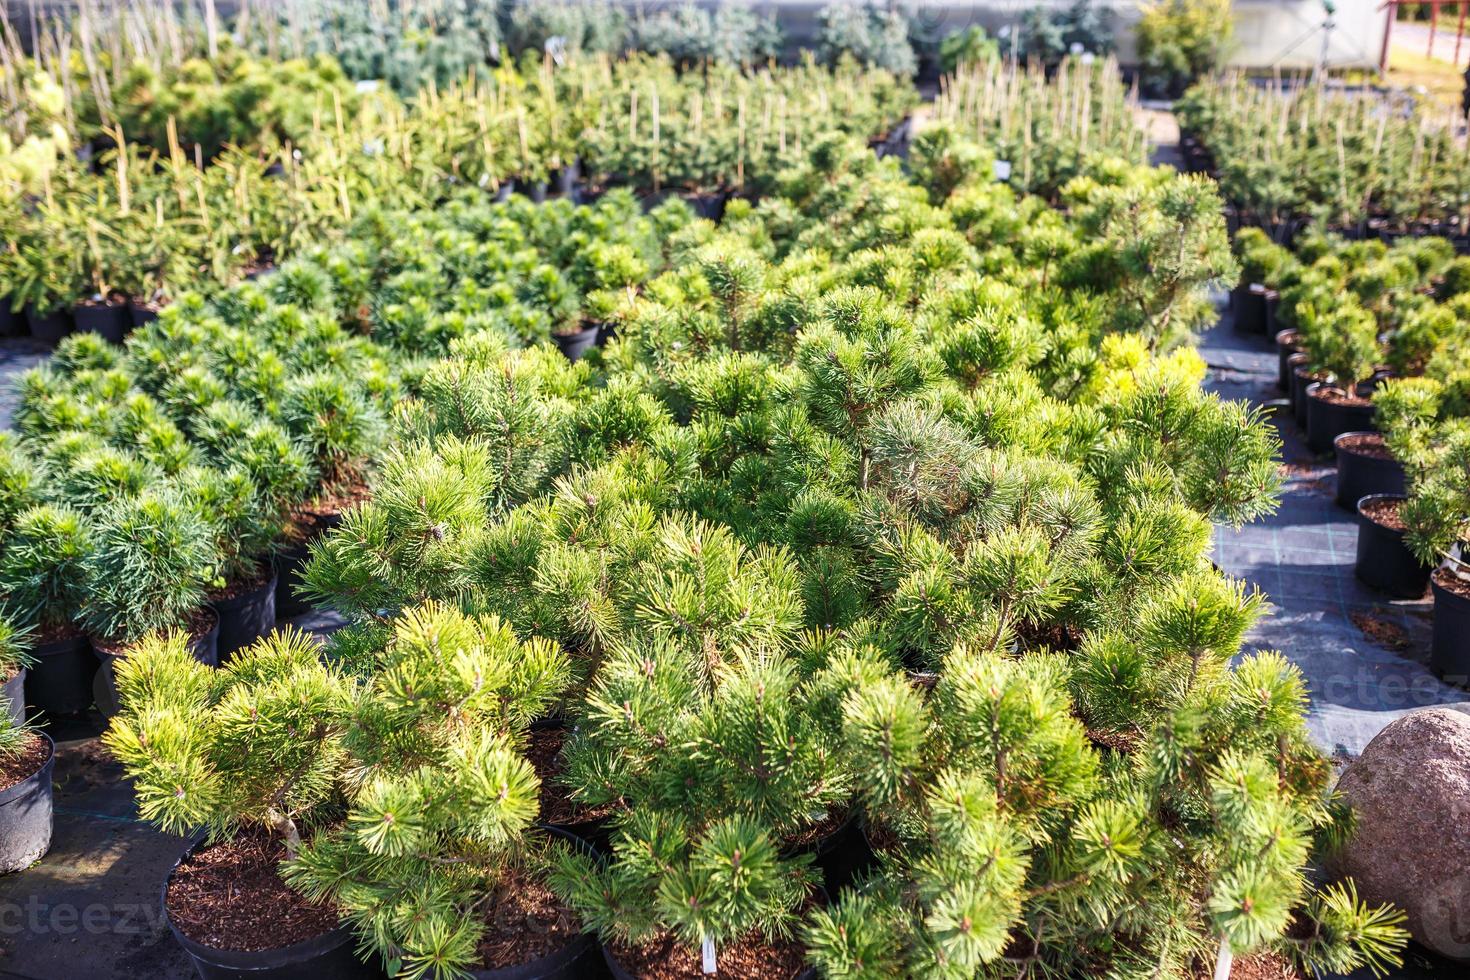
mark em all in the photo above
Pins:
pixel 229 896
pixel 749 959
pixel 1261 966
pixel 1368 444
pixel 1385 513
pixel 1335 396
pixel 54 634
pixel 34 751
pixel 525 922
pixel 1388 635
pixel 556 806
pixel 1451 582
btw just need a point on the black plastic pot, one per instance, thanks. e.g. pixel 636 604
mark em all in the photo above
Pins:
pixel 1359 475
pixel 1301 380
pixel 12 324
pixel 141 314
pixel 1449 655
pixel 289 563
pixel 576 959
pixel 711 206
pixel 330 956
pixel 110 321
pixel 1384 561
pixel 104 687
pixel 13 697
pixel 51 327
pixel 1272 303
pixel 25 816
pixel 60 680
pixel 843 854
pixel 576 345
pixel 505 190
pixel 1327 420
pixel 567 179
pixel 1285 347
pixel 1250 308
pixel 246 617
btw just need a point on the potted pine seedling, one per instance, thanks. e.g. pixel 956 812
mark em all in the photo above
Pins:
pixel 43 580
pixel 246 761
pixel 27 758
pixel 151 558
pixel 46 282
pixel 1342 348
pixel 1369 462
pixel 338 426
pixel 1263 265
pixel 13 664
pixel 438 865
pixel 104 310
pixel 1437 515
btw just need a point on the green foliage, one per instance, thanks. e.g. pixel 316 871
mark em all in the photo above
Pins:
pixel 1180 41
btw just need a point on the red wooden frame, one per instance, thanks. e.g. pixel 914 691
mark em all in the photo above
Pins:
pixel 1391 7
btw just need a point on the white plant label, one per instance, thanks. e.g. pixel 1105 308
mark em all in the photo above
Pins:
pixel 707 955
pixel 1002 170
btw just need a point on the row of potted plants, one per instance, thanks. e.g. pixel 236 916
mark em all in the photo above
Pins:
pixel 1373 348
pixel 1346 160
pixel 174 481
pixel 851 612
pixel 141 224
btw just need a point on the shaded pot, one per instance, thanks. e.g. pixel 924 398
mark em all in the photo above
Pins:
pixel 1249 303
pixel 59 682
pixel 1286 345
pixel 50 327
pixel 1360 474
pixel 330 956
pixel 505 190
pixel 843 854
pixel 289 562
pixel 141 312
pixel 12 324
pixel 1384 561
pixel 576 345
pixel 1326 420
pixel 13 697
pixel 104 687
pixel 108 320
pixel 1449 652
pixel 25 816
pixel 711 206
pixel 1301 380
pixel 577 959
pixel 246 617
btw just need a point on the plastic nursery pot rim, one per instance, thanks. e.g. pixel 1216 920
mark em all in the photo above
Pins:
pixel 27 785
pixel 239 959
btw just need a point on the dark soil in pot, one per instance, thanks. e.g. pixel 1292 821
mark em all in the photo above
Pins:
pixel 247 611
pixel 558 810
pixel 576 345
pixel 203 641
pixel 749 959
pixel 1384 561
pixel 107 319
pixel 25 803
pixel 13 696
pixel 50 327
pixel 1286 345
pixel 1364 467
pixel 531 935
pixel 1450 649
pixel 60 680
pixel 229 909
pixel 1331 412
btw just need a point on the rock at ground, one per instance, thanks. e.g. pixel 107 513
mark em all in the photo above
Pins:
pixel 1411 791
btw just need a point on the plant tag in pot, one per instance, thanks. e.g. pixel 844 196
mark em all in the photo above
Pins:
pixel 1002 170
pixel 707 955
